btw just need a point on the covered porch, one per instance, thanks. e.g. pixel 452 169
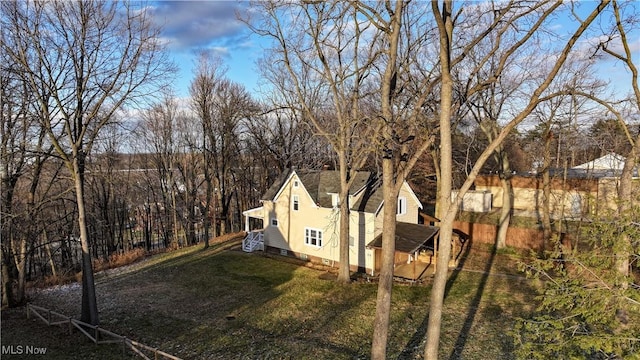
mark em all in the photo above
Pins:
pixel 414 257
pixel 252 218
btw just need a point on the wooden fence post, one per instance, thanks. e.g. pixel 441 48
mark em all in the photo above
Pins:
pixel 84 328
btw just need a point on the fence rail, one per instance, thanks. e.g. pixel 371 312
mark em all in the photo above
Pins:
pixel 97 334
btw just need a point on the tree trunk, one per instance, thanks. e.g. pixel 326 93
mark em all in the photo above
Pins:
pixel 546 191
pixel 214 215
pixel 385 284
pixel 209 188
pixel 174 210
pixel 206 222
pixel 491 130
pixel 624 248
pixel 435 154
pixel 8 264
pixel 7 279
pixel 507 201
pixel 505 213
pixel 391 183
pixel 344 273
pixel 445 27
pixel 52 262
pixel 224 210
pixel 21 263
pixel 89 304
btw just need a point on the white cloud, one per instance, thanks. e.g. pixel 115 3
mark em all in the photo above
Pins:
pixel 219 51
pixel 188 25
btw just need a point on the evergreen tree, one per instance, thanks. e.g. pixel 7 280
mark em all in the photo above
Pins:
pixel 583 311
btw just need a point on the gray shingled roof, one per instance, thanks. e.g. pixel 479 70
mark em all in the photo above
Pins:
pixel 328 182
pixel 321 183
pixel 277 184
pixel 410 237
pixel 372 197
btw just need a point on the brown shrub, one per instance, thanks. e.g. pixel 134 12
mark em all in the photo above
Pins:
pixel 59 279
pixel 117 260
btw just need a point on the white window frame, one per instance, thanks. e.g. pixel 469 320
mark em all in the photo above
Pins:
pixel 309 239
pixel 402 206
pixel 295 203
pixel 296 183
pixel 274 222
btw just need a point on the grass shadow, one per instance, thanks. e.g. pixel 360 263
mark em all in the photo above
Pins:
pixel 461 341
pixel 413 346
pixel 414 343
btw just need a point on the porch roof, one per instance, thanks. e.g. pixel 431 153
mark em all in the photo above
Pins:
pixel 257 213
pixel 410 237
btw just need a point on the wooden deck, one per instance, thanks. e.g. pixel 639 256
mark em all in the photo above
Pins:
pixel 417 270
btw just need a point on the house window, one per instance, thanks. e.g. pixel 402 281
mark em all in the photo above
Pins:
pixel 296 203
pixel 296 183
pixel 402 206
pixel 313 237
pixel 274 222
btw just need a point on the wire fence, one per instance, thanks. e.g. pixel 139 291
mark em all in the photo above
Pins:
pixel 97 334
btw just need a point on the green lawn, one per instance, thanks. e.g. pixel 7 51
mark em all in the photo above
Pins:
pixel 225 304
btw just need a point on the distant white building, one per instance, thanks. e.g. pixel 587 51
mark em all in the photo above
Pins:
pixel 580 191
pixel 610 162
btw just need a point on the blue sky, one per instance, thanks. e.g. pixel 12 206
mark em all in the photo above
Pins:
pixel 190 27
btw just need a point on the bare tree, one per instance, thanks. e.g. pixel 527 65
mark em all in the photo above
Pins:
pixel 502 20
pixel 355 77
pixel 24 152
pixel 625 189
pixel 23 163
pixel 607 135
pixel 407 99
pixel 324 49
pixel 623 52
pixel 283 138
pixel 221 107
pixel 108 192
pixel 547 137
pixel 202 90
pixel 276 140
pixel 282 133
pixel 157 132
pixel 16 122
pixel 486 108
pixel 401 90
pixel 189 166
pixel 232 105
pixel 600 277
pixel 82 60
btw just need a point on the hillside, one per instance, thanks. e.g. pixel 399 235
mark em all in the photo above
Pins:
pixel 226 304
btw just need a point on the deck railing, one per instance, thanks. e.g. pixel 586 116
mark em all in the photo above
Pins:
pixel 253 241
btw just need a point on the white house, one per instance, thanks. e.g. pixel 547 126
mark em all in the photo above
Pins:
pixel 300 218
